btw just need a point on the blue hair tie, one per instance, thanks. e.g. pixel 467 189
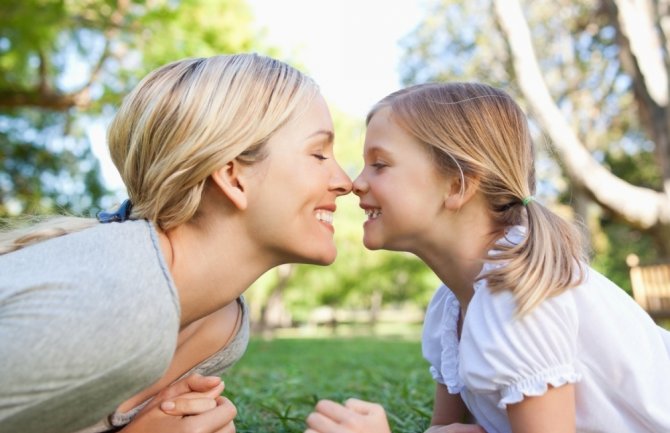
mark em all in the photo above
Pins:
pixel 120 215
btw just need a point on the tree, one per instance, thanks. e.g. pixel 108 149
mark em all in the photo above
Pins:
pixel 587 95
pixel 65 64
pixel 643 59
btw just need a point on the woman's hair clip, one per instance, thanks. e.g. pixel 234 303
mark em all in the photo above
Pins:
pixel 120 215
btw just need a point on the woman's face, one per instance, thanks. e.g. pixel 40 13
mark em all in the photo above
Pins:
pixel 298 183
pixel 399 188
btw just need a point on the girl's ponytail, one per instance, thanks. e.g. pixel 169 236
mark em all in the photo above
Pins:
pixel 548 260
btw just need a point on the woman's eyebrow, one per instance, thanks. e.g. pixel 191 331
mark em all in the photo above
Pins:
pixel 330 136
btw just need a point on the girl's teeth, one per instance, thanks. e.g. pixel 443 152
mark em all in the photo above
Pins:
pixel 373 213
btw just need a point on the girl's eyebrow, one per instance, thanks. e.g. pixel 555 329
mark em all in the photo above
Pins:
pixel 374 149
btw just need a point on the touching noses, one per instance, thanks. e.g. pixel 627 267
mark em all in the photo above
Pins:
pixel 360 186
pixel 340 182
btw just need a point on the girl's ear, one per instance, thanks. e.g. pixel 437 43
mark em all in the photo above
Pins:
pixel 230 181
pixel 460 191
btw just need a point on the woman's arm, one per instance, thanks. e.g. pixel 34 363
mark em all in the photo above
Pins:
pixel 194 400
pixel 195 343
pixel 553 412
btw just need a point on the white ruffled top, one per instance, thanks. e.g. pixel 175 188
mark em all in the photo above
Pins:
pixel 594 336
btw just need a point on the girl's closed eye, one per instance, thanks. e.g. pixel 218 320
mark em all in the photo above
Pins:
pixel 319 156
pixel 379 164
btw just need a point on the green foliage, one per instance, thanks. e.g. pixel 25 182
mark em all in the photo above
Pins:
pixel 618 239
pixel 41 170
pixel 65 64
pixel 277 383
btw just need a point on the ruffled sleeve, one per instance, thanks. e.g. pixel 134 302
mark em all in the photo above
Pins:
pixel 518 357
pixel 440 339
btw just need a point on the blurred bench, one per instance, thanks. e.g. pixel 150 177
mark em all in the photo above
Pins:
pixel 651 287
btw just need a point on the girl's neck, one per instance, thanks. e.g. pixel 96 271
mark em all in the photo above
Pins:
pixel 459 269
pixel 457 254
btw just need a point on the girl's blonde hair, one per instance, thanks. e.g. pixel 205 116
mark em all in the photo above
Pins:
pixel 182 122
pixel 480 134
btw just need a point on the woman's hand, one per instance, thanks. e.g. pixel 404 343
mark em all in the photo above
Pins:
pixel 355 416
pixel 192 395
pixel 193 404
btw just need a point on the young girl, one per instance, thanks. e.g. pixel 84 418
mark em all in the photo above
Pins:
pixel 523 335
pixel 228 162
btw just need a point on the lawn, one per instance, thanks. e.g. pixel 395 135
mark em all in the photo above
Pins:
pixel 277 382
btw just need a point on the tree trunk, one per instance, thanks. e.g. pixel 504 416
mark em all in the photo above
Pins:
pixel 274 313
pixel 640 207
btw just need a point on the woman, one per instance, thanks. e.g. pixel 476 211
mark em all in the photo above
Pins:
pixel 229 167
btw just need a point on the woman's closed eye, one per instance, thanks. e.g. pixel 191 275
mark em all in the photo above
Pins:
pixel 319 156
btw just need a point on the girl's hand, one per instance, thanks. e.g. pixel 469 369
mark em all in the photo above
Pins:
pixel 355 416
pixel 456 428
pixel 191 404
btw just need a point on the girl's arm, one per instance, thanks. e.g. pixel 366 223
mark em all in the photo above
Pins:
pixel 447 408
pixel 449 412
pixel 354 416
pixel 357 416
pixel 553 412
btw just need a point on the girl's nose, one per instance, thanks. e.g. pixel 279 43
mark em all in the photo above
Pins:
pixel 360 186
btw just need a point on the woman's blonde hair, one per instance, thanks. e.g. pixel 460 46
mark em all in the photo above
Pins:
pixel 182 122
pixel 480 134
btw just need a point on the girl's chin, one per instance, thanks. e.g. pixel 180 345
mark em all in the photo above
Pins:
pixel 371 244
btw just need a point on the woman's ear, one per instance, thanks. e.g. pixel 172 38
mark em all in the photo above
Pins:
pixel 230 181
pixel 460 191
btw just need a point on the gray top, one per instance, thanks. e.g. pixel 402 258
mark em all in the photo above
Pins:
pixel 86 321
pixel 215 365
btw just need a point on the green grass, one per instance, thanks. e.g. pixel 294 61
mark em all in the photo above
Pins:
pixel 277 383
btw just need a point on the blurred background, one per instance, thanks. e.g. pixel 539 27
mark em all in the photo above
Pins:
pixel 592 75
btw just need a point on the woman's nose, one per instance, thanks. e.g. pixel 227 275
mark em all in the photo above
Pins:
pixel 340 182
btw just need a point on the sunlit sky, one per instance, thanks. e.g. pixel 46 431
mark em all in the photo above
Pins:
pixel 350 47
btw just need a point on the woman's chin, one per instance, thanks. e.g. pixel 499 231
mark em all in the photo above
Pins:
pixel 321 258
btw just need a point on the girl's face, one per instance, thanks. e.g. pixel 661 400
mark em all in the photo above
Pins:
pixel 399 188
pixel 297 185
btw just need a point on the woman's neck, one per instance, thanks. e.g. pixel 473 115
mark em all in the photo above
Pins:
pixel 211 267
